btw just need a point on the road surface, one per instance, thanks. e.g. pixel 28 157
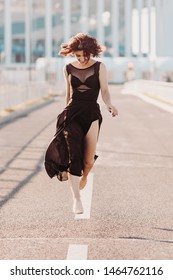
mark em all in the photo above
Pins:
pixel 128 201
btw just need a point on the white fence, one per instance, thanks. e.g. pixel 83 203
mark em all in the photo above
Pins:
pixel 52 69
pixel 118 68
pixel 159 68
pixel 12 95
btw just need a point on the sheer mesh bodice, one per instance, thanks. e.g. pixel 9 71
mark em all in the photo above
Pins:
pixel 85 81
pixel 82 77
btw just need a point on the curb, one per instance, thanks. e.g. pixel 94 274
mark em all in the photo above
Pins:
pixel 13 116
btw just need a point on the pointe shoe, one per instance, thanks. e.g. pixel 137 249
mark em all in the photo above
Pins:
pixel 77 207
pixel 83 182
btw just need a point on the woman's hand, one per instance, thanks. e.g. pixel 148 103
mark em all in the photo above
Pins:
pixel 112 110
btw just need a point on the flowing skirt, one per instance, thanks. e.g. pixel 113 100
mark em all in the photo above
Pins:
pixel 65 152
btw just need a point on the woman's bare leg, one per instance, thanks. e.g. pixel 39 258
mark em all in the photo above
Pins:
pixel 74 184
pixel 89 151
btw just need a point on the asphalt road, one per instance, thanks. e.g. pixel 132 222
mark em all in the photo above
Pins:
pixel 128 201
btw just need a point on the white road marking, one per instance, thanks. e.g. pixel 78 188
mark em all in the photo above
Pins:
pixel 86 198
pixel 154 101
pixel 77 252
pixel 80 252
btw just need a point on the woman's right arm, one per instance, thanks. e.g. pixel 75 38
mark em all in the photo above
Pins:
pixel 67 86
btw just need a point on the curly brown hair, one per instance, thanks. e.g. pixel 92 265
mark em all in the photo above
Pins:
pixel 83 42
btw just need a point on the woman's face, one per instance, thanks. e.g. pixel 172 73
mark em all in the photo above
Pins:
pixel 81 58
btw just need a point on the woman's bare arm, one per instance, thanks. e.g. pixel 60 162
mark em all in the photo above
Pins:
pixel 67 83
pixel 105 90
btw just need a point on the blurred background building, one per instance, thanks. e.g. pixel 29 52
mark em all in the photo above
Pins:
pixel 131 32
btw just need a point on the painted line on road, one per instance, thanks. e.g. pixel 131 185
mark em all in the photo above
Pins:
pixel 86 197
pixel 77 252
pixel 80 252
pixel 155 101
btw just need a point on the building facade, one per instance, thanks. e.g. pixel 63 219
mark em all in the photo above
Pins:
pixel 30 29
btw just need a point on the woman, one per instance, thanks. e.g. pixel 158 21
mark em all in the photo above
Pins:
pixel 73 148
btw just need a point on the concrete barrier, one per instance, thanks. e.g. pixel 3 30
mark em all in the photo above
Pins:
pixel 161 91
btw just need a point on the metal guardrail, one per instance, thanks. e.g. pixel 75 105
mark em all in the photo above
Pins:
pixel 12 95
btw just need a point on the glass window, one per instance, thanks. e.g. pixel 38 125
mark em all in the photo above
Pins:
pixel 58 22
pixel 57 25
pixel 106 24
pixel 37 30
pixel 106 19
pixel 121 29
pixel 75 17
pixel 92 25
pixel 2 52
pixel 18 31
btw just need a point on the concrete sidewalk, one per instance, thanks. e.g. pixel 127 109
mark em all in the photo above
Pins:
pixel 157 93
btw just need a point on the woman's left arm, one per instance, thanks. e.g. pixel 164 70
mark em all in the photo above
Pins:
pixel 105 90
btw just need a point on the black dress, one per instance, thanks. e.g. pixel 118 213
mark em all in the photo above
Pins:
pixel 66 151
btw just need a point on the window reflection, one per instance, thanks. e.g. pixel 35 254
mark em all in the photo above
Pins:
pixel 18 31
pixel 57 26
pixel 27 36
pixel 2 50
pixel 37 30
